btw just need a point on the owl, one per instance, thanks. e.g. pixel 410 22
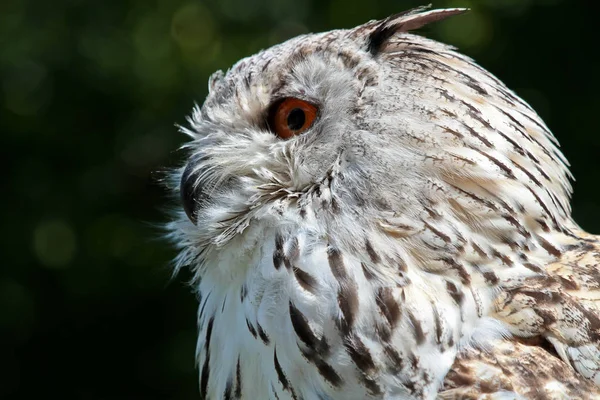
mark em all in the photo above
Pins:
pixel 369 214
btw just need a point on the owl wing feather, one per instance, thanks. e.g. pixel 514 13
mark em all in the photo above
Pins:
pixel 562 306
pixel 514 369
pixel 555 351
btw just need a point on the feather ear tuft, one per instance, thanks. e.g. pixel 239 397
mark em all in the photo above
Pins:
pixel 406 21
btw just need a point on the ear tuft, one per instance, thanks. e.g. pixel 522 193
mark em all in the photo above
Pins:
pixel 404 22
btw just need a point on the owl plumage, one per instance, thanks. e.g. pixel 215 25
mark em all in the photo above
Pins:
pixel 414 241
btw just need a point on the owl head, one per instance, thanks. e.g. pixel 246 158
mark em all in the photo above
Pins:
pixel 369 130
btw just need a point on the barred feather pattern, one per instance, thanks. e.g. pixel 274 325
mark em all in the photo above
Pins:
pixel 419 229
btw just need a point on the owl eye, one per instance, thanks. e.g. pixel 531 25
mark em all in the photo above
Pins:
pixel 291 117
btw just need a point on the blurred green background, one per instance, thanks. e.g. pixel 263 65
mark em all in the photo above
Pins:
pixel 90 93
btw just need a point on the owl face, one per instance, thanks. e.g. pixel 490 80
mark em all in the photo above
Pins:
pixel 276 126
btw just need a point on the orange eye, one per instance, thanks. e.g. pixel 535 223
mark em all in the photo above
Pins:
pixel 291 117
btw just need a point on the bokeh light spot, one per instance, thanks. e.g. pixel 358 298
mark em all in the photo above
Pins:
pixel 192 26
pixel 54 243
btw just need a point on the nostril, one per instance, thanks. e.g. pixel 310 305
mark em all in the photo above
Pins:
pixel 189 192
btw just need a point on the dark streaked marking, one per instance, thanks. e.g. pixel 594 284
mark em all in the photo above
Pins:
pixel 472 83
pixel 453 132
pixel 378 37
pixel 556 202
pixel 478 199
pixel 549 247
pixel 238 380
pixel 476 115
pixel 274 391
pixel 490 277
pixel 513 221
pixel 371 385
pixel 454 292
pixel 201 313
pixel 206 366
pixel 515 145
pixel 306 281
pixel 410 385
pixel 468 80
pixel 543 225
pixel 317 191
pixel 251 328
pixel 441 235
pixel 543 128
pixel 507 171
pixel 404 22
pixel 360 355
pixel 348 303
pixel 287 262
pixel 261 333
pixel 325 370
pixel 348 293
pixel 278 254
pixel 473 132
pixel 204 376
pixel 402 267
pixel 451 341
pixel 247 81
pixel 419 334
pixel 367 272
pixel 228 388
pixel 388 306
pixel 302 212
pixel 282 377
pixel 437 322
pixel 375 259
pixel 335 207
pixel 479 250
pixel 543 297
pixel 433 213
pixel 503 257
pixel 336 263
pixel 543 205
pixel 519 126
pixel 541 171
pixel 462 272
pixel 533 268
pixel 449 114
pixel 463 159
pixel 348 59
pixel 568 283
pixel 302 328
pixel 498 199
pixel 384 332
pixel 209 329
pixel 243 292
pixel 529 174
pixel 396 363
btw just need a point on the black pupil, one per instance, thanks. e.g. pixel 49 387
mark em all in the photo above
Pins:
pixel 295 119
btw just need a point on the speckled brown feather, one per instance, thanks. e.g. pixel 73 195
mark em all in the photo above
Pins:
pixel 514 369
pixel 562 305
